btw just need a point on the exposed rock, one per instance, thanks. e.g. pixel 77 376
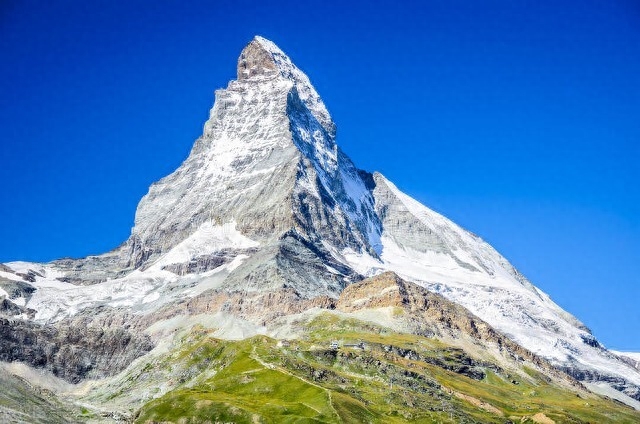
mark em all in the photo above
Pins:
pixel 261 308
pixel 431 314
pixel 628 360
pixel 255 60
pixel 17 289
pixel 69 351
pixel 9 308
pixel 22 402
pixel 458 361
pixel 478 403
pixel 206 263
pixel 267 171
pixel 92 269
pixel 5 268
pixel 541 418
pixel 619 383
pixel 29 276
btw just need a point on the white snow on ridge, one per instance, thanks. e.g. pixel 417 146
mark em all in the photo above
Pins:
pixel 23 267
pixel 633 355
pixel 140 292
pixel 54 299
pixel 606 390
pixel 10 276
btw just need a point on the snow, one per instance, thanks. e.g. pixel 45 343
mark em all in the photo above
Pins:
pixel 361 262
pixel 606 390
pixel 10 276
pixel 20 301
pixel 46 270
pixel 307 92
pixel 633 355
pixel 245 141
pixel 141 291
pixel 23 267
pixel 358 194
pixel 215 278
pixel 54 300
pixel 208 238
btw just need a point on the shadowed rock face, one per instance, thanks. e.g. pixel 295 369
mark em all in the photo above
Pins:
pixel 618 383
pixel 17 289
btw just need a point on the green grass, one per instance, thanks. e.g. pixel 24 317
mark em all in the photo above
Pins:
pixel 244 390
pixel 255 381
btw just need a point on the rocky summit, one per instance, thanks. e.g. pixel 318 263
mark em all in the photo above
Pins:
pixel 268 279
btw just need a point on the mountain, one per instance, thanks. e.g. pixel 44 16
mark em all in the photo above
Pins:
pixel 266 228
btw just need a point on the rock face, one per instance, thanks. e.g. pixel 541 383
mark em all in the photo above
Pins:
pixel 255 60
pixel 267 209
pixel 71 352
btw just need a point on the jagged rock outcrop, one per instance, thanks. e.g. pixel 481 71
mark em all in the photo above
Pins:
pixel 268 161
pixel 621 384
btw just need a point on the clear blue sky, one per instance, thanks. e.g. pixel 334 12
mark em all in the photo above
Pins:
pixel 520 120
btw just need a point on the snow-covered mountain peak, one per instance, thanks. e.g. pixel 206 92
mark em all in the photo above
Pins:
pixel 263 58
pixel 269 143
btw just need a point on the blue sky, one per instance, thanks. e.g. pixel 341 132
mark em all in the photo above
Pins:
pixel 519 120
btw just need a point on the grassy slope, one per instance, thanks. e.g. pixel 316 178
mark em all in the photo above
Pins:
pixel 254 380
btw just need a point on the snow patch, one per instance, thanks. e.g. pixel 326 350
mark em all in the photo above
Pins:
pixel 633 355
pixel 207 239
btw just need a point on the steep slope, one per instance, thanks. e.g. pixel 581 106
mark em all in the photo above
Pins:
pixel 395 379
pixel 632 358
pixel 267 161
pixel 268 217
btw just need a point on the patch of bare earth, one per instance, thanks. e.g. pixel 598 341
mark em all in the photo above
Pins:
pixel 540 418
pixel 479 404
